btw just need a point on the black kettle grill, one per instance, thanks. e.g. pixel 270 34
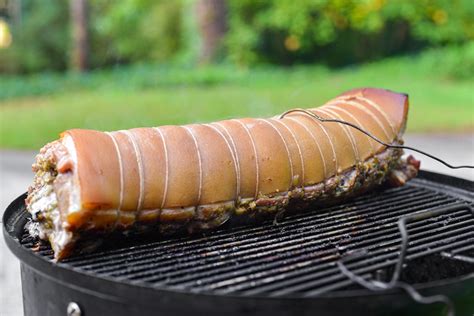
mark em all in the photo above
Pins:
pixel 285 268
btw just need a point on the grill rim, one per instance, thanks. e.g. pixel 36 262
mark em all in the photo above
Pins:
pixel 14 220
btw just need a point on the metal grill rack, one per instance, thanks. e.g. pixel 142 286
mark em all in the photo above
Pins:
pixel 297 256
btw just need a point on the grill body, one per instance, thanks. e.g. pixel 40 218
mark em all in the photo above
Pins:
pixel 284 268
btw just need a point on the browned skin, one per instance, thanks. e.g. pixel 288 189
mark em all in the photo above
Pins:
pixel 205 173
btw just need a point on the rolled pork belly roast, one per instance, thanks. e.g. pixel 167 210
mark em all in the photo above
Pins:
pixel 196 177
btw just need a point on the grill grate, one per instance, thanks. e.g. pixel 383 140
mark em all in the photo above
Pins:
pixel 297 255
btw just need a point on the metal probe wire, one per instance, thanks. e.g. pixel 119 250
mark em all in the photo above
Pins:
pixel 375 285
pixel 321 119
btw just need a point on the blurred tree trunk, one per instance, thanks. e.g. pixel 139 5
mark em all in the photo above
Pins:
pixel 212 22
pixel 80 35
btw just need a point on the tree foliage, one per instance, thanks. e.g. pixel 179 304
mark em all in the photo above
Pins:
pixel 136 30
pixel 121 32
pixel 40 39
pixel 342 31
pixel 335 32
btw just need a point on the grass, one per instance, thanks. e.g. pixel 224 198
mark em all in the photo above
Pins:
pixel 151 95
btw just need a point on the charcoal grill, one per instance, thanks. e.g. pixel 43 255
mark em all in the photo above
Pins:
pixel 282 268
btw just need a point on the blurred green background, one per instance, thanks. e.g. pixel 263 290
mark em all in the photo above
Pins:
pixel 109 65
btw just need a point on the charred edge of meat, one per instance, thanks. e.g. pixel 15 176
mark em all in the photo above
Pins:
pixel 48 195
pixel 45 207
